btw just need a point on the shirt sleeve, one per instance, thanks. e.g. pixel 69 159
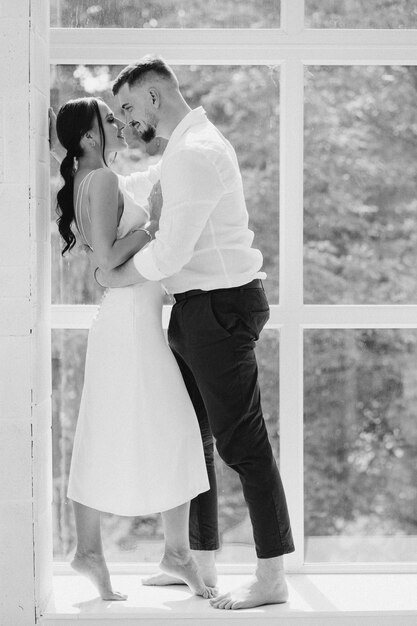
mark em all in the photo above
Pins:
pixel 139 184
pixel 191 189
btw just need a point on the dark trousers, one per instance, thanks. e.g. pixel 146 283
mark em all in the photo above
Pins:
pixel 212 335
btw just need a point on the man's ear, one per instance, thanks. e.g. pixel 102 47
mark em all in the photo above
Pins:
pixel 154 97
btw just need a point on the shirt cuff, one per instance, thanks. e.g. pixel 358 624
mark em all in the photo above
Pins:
pixel 145 264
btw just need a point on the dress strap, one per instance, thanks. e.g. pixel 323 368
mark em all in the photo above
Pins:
pixel 78 204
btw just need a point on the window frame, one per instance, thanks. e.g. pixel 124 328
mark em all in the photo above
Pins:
pixel 291 47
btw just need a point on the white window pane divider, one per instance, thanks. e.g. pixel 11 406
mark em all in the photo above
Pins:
pixel 308 316
pixel 291 298
pixel 234 46
pixel 292 47
pixel 292 17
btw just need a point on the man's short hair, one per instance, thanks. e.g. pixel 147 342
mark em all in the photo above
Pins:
pixel 135 72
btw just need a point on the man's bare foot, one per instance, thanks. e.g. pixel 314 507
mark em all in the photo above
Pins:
pixel 94 567
pixel 267 586
pixel 183 566
pixel 206 565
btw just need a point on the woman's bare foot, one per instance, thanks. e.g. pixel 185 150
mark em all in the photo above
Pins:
pixel 182 566
pixel 161 580
pixel 205 560
pixel 94 567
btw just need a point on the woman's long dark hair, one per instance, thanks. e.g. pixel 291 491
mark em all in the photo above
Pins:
pixel 74 119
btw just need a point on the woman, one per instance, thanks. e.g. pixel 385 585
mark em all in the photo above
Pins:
pixel 137 448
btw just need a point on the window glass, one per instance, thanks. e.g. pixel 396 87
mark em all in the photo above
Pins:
pixel 360 14
pixel 140 538
pixel 360 188
pixel 360 445
pixel 165 13
pixel 243 102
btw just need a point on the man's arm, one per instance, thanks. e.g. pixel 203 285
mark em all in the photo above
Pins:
pixel 192 189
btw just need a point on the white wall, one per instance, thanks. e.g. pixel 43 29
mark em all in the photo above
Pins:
pixel 25 388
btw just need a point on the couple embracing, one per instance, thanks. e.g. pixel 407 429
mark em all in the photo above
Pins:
pixel 150 412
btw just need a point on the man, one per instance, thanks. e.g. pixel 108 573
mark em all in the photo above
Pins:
pixel 203 256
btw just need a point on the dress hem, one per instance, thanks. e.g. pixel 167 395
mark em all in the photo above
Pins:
pixel 142 512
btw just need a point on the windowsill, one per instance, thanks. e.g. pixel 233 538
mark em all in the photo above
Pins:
pixel 376 599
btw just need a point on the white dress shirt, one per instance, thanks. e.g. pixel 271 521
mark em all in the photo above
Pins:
pixel 203 240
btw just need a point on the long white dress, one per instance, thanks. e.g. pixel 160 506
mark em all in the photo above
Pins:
pixel 137 447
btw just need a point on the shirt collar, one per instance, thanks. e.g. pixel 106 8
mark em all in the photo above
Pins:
pixel 192 118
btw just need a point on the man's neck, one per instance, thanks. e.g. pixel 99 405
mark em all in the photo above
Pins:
pixel 167 126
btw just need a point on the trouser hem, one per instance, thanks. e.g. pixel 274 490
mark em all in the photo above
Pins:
pixel 274 553
pixel 208 547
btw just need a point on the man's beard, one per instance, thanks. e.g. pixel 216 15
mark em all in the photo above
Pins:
pixel 148 134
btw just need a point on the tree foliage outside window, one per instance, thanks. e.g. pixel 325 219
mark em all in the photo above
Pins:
pixel 360 442
pixel 165 14
pixel 360 14
pixel 360 186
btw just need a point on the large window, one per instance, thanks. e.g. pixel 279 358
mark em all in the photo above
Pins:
pixel 360 192
pixel 360 442
pixel 322 115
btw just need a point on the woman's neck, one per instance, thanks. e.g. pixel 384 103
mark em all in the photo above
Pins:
pixel 92 161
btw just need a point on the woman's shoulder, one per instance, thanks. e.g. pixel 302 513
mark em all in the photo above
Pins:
pixel 104 176
pixel 103 185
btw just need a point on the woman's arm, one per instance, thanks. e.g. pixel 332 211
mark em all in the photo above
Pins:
pixel 109 251
pixel 121 276
pixel 55 148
